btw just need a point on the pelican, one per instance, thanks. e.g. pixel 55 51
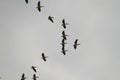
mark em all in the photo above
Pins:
pixel 51 19
pixel 44 57
pixel 75 44
pixel 34 68
pixel 39 6
pixel 63 42
pixel 63 50
pixel 64 35
pixel 34 77
pixel 64 23
pixel 23 77
pixel 26 1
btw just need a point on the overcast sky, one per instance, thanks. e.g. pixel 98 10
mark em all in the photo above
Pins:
pixel 25 33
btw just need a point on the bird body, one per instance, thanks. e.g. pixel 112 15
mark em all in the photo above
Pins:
pixel 76 44
pixel 64 35
pixel 44 57
pixel 39 6
pixel 63 42
pixel 63 50
pixel 51 19
pixel 34 68
pixel 34 77
pixel 23 77
pixel 64 23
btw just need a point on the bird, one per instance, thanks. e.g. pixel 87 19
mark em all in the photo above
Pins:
pixel 63 50
pixel 34 68
pixel 64 35
pixel 51 19
pixel 34 77
pixel 64 23
pixel 75 44
pixel 23 76
pixel 39 6
pixel 26 1
pixel 44 57
pixel 63 42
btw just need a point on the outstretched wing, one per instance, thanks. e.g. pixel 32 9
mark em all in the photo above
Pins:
pixel 38 4
pixel 75 46
pixel 39 9
pixel 76 41
pixel 63 21
pixel 26 1
pixel 63 33
pixel 50 18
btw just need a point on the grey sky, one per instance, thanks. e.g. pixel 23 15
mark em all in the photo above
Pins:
pixel 25 34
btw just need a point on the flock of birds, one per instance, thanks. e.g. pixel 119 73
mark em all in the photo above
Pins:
pixel 63 33
pixel 64 37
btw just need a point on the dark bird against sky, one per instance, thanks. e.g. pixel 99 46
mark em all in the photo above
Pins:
pixel 63 50
pixel 39 6
pixel 51 19
pixel 23 77
pixel 64 35
pixel 34 68
pixel 64 23
pixel 34 77
pixel 63 42
pixel 75 44
pixel 44 57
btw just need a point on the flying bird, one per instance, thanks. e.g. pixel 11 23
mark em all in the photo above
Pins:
pixel 75 44
pixel 63 50
pixel 26 1
pixel 34 68
pixel 63 42
pixel 51 19
pixel 23 77
pixel 34 77
pixel 64 23
pixel 64 35
pixel 39 6
pixel 44 57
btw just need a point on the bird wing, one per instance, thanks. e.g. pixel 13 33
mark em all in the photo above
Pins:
pixel 63 21
pixel 38 4
pixel 39 9
pixel 75 46
pixel 76 41
pixel 26 1
pixel 44 58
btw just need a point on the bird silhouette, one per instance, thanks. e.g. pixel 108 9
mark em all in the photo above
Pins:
pixel 63 50
pixel 23 77
pixel 26 1
pixel 34 68
pixel 34 77
pixel 63 42
pixel 64 35
pixel 39 6
pixel 64 23
pixel 51 19
pixel 75 44
pixel 44 57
